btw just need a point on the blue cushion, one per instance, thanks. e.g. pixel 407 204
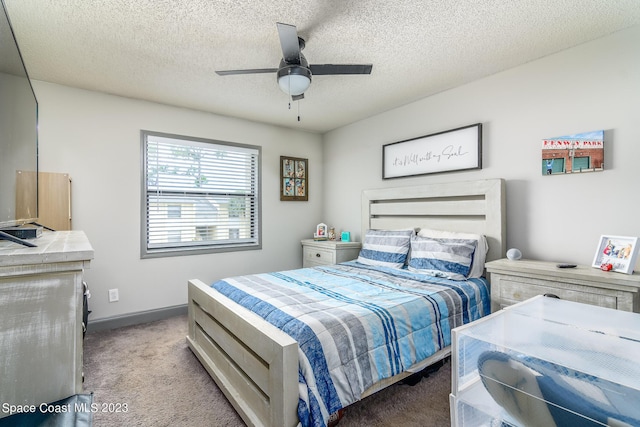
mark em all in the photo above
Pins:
pixel 388 248
pixel 450 258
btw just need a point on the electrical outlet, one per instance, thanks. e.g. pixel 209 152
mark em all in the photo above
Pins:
pixel 113 295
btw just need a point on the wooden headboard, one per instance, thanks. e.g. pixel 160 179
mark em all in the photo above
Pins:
pixel 469 206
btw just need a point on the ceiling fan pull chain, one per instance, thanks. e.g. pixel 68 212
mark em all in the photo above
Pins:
pixel 298 102
pixel 289 91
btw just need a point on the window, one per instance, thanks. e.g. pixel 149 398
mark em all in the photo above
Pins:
pixel 198 195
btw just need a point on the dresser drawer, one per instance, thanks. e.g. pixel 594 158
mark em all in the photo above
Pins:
pixel 318 256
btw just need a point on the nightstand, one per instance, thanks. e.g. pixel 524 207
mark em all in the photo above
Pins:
pixel 327 252
pixel 514 281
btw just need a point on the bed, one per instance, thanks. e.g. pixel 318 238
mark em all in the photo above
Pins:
pixel 260 368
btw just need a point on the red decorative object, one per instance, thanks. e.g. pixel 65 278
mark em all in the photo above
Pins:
pixel 606 267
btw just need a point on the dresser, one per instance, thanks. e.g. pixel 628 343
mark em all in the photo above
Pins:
pixel 515 281
pixel 41 318
pixel 327 252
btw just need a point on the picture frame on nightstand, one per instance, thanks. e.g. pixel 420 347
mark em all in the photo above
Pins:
pixel 321 232
pixel 616 253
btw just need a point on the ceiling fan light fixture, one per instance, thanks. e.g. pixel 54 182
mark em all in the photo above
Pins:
pixel 294 80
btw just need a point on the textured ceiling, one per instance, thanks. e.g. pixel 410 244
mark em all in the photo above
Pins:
pixel 167 51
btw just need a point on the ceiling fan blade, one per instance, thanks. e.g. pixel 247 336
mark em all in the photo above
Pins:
pixel 289 43
pixel 253 71
pixel 327 69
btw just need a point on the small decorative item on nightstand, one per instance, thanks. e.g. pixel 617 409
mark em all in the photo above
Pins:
pixel 346 236
pixel 332 234
pixel 606 267
pixel 514 254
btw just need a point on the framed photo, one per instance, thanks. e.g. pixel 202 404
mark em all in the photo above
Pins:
pixel 451 150
pixel 321 232
pixel 618 251
pixel 577 153
pixel 294 179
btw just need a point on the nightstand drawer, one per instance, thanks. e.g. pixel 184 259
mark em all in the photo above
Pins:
pixel 327 252
pixel 520 289
pixel 318 256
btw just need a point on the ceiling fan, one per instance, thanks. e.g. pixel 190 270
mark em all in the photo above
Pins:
pixel 294 73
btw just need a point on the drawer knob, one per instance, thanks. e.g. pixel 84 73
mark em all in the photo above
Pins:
pixel 317 255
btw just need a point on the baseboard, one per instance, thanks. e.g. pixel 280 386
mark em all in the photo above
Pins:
pixel 135 318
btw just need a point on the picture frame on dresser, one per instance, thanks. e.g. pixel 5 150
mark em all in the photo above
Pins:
pixel 616 253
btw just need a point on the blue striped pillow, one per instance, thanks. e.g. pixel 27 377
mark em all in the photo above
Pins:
pixel 442 257
pixel 388 248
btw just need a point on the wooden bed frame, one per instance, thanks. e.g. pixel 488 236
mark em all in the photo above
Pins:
pixel 256 365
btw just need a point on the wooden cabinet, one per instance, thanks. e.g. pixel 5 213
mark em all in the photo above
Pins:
pixel 514 281
pixel 41 313
pixel 327 252
pixel 54 198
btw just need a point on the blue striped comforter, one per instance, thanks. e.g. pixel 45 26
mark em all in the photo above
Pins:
pixel 357 324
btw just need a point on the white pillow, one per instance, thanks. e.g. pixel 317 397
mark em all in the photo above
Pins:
pixel 480 254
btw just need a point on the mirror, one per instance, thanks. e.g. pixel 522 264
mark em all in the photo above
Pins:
pixel 18 134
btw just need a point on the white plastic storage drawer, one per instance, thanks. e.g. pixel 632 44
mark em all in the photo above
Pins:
pixel 547 362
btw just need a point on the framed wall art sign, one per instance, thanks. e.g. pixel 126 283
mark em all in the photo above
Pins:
pixel 294 179
pixel 616 253
pixel 451 150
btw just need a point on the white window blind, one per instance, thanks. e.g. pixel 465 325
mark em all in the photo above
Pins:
pixel 200 195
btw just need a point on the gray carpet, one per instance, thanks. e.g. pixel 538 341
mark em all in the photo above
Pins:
pixel 145 375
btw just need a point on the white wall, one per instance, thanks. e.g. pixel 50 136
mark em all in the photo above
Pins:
pixel 558 218
pixel 96 139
